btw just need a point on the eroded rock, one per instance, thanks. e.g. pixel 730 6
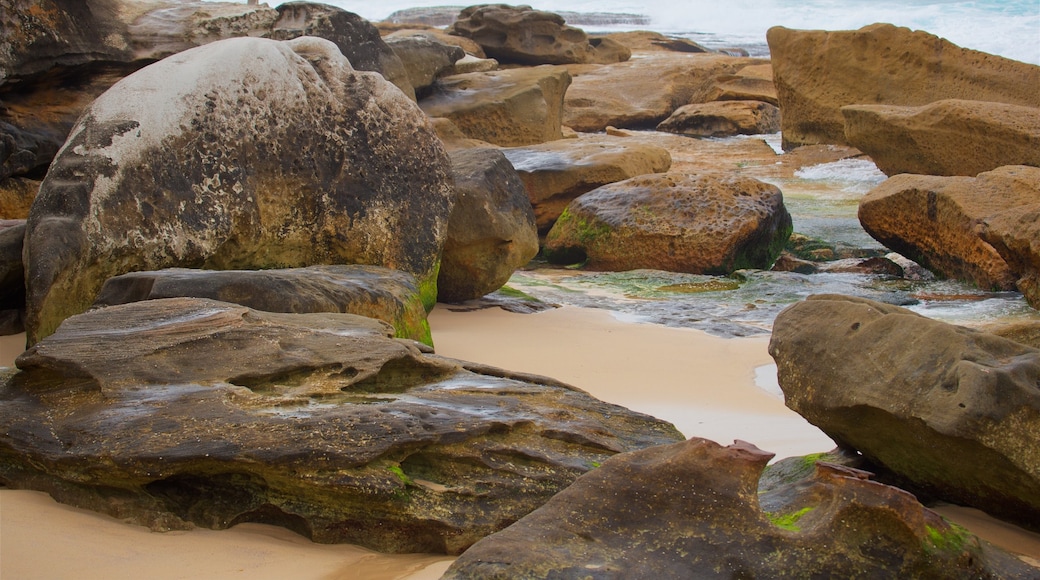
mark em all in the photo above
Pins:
pixel 709 224
pixel 723 119
pixel 692 510
pixel 424 59
pixel 948 137
pixel 954 412
pixel 263 154
pixel 180 412
pixel 492 228
pixel 1015 234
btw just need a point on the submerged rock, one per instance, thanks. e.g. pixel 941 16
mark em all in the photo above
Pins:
pixel 953 412
pixel 263 154
pixel 692 510
pixel 710 224
pixel 491 232
pixel 181 411
pixel 388 295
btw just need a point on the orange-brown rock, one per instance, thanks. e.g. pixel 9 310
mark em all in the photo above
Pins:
pixel 645 41
pixel 948 137
pixel 817 72
pixel 557 172
pixel 642 92
pixel 520 106
pixel 16 197
pixel 723 119
pixel 751 83
pixel 936 221
pixel 1015 234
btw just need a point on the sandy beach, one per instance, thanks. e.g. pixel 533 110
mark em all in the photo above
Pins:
pixel 703 384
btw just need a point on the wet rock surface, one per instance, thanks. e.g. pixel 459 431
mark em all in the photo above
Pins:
pixel 181 412
pixel 693 510
pixel 951 411
pixel 202 177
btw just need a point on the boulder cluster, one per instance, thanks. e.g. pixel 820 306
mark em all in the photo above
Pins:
pixel 222 226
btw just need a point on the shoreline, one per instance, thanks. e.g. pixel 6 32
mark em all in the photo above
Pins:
pixel 706 385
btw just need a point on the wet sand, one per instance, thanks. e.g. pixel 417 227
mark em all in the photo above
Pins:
pixel 705 385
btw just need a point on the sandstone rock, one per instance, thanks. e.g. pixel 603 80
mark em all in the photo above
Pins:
pixel 1025 332
pixel 751 83
pixel 1015 234
pixel 692 510
pixel 372 291
pixel 12 277
pixel 950 410
pixel 356 38
pixel 723 119
pixel 948 137
pixel 167 27
pixel 472 64
pixel 441 36
pixel 452 137
pixel 709 224
pixel 506 107
pixel 935 221
pixel 492 230
pixel 522 35
pixel 188 411
pixel 647 41
pixel 818 72
pixel 424 59
pixel 257 154
pixel 644 91
pixel 16 197
pixel 556 173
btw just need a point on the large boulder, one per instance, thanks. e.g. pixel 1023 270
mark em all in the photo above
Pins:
pixel 254 154
pixel 522 35
pixel 948 137
pixel 492 230
pixel 641 93
pixel 557 172
pixel 818 72
pixel 723 119
pixel 184 411
pixel 162 28
pixel 693 510
pixel 707 224
pixel 935 221
pixel 954 412
pixel 424 59
pixel 372 291
pixel 1015 234
pixel 513 107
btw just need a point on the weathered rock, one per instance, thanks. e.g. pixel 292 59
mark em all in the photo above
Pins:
pixel 492 228
pixel 709 224
pixel 818 72
pixel 167 27
pixel 723 119
pixel 1025 332
pixel 556 173
pixel 1015 234
pixel 641 93
pixel 953 411
pixel 16 197
pixel 647 41
pixel 511 107
pixel 264 154
pixel 472 64
pixel 424 59
pixel 189 411
pixel 522 35
pixel 948 137
pixel 12 277
pixel 935 221
pixel 356 38
pixel 441 36
pixel 372 291
pixel 751 83
pixel 692 510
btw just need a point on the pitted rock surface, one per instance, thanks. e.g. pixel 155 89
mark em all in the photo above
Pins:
pixel 181 411
pixel 255 154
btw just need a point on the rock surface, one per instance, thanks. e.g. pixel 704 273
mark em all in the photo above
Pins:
pixel 644 91
pixel 936 221
pixel 819 72
pixel 557 172
pixel 188 411
pixel 723 119
pixel 1015 234
pixel 692 510
pixel 954 412
pixel 201 175
pixel 522 35
pixel 513 107
pixel 491 232
pixel 948 137
pixel 424 59
pixel 12 277
pixel 372 291
pixel 710 224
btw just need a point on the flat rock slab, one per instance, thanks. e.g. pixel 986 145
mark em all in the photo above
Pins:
pixel 373 291
pixel 187 411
